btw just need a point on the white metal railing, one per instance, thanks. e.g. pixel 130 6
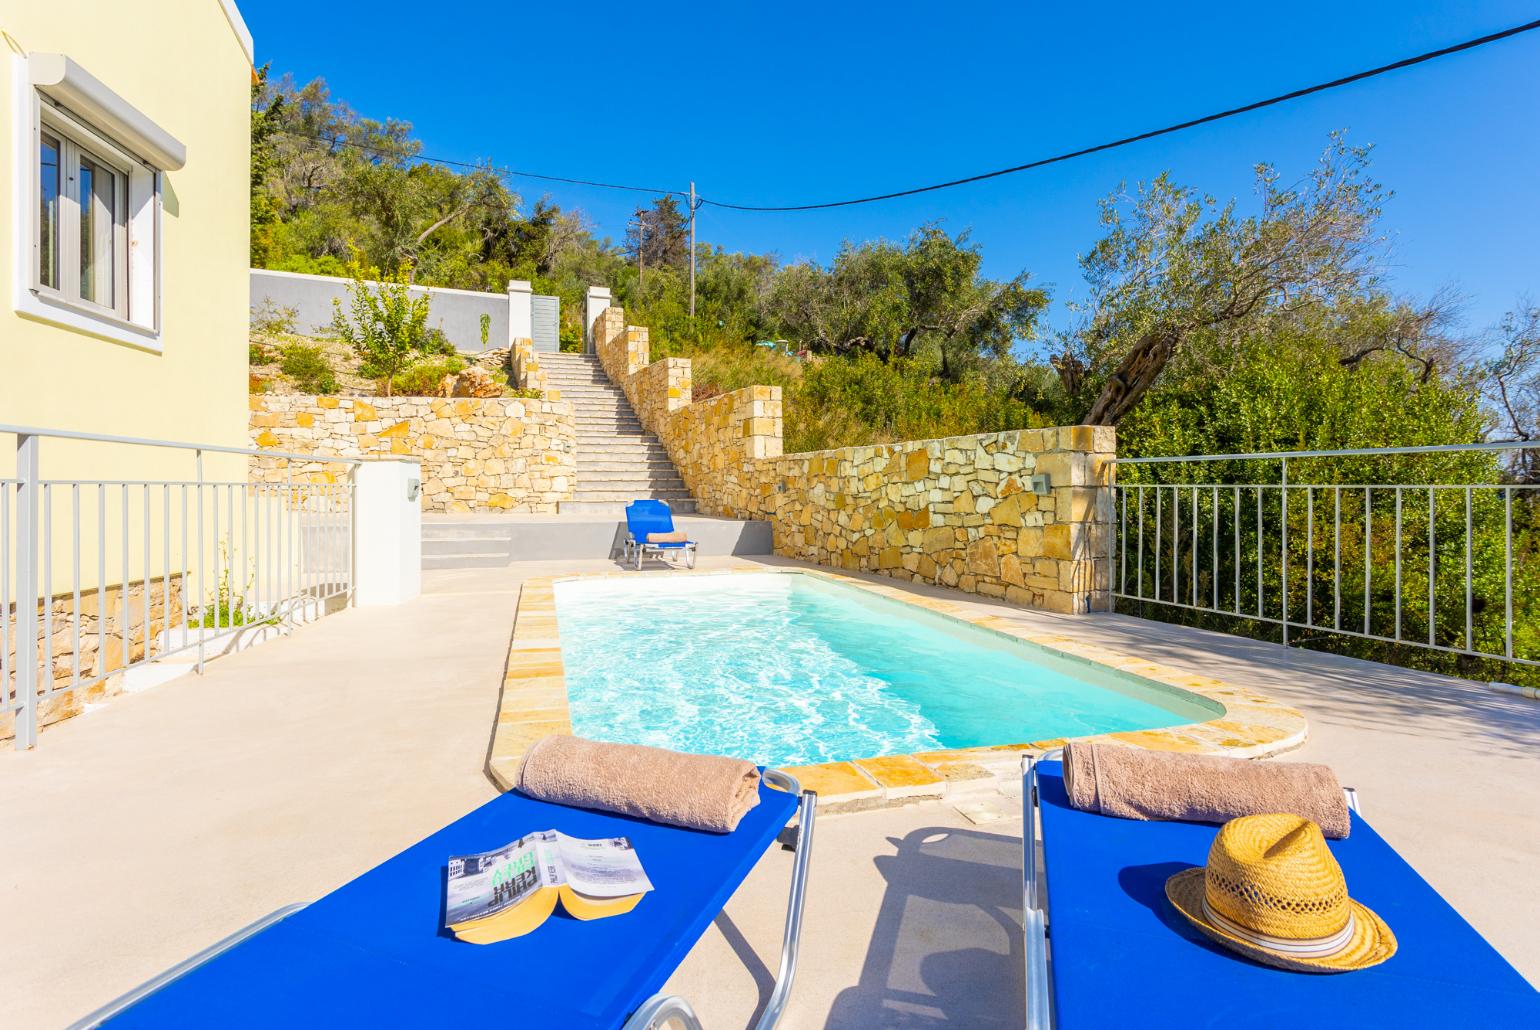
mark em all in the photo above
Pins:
pixel 1427 564
pixel 102 575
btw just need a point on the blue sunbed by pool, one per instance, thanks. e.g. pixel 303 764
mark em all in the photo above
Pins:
pixel 374 951
pixel 1120 957
pixel 652 516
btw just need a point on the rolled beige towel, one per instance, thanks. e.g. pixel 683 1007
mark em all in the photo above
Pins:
pixel 1132 783
pixel 677 536
pixel 701 792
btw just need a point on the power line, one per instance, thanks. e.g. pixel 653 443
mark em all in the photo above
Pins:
pixel 512 172
pixel 698 200
pixel 1141 137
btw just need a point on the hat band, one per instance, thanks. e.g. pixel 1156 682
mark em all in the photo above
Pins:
pixel 1306 947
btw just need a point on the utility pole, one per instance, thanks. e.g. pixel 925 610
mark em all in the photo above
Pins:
pixel 641 248
pixel 693 206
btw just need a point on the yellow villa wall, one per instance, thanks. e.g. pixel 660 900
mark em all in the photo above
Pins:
pixel 181 63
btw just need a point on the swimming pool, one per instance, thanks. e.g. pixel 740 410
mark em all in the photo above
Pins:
pixel 791 669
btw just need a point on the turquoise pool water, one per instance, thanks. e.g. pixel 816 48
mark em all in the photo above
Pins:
pixel 787 669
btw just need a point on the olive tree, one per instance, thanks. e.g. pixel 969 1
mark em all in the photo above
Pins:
pixel 1175 268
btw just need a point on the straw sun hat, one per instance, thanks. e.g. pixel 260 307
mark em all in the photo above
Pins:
pixel 1273 892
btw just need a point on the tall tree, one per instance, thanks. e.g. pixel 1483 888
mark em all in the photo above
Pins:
pixel 1175 267
pixel 1513 385
pixel 660 236
pixel 896 301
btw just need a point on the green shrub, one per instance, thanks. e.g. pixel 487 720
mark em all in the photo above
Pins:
pixel 435 342
pixel 423 378
pixel 849 401
pixel 387 325
pixel 271 319
pixel 308 369
pixel 256 354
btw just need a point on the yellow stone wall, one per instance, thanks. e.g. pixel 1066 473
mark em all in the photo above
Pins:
pixel 476 454
pixel 960 511
pixel 527 372
pixel 97 619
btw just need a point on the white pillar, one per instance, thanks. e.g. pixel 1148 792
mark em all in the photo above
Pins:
pixel 598 303
pixel 521 325
pixel 387 532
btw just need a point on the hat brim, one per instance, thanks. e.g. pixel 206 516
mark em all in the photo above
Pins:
pixel 1371 943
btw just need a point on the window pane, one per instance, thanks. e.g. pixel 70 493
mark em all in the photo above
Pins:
pixel 48 212
pixel 98 216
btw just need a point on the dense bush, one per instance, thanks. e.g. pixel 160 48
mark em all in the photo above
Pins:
pixel 841 402
pixel 424 378
pixel 308 369
pixel 270 319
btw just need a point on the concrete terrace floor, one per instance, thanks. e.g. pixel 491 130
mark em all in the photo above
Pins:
pixel 286 770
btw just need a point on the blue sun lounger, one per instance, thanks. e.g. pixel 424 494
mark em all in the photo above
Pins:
pixel 374 951
pixel 1120 957
pixel 649 516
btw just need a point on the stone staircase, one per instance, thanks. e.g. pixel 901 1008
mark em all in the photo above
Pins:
pixel 617 460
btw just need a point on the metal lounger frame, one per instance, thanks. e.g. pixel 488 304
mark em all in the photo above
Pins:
pixel 637 550
pixel 1034 907
pixel 654 1012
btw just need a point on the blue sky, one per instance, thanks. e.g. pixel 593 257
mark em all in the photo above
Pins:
pixel 794 102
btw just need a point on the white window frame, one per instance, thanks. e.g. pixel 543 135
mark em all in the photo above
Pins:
pixel 77 142
pixel 134 316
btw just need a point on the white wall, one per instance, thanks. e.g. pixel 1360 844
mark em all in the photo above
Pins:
pixel 456 312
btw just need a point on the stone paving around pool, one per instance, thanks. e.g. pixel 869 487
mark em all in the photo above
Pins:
pixel 534 704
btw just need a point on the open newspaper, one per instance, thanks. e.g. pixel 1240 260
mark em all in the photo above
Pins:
pixel 506 893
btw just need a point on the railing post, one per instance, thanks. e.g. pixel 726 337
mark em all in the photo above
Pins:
pixel 28 559
pixel 352 544
pixel 1284 574
pixel 202 611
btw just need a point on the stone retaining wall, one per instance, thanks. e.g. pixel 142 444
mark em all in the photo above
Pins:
pixel 100 624
pixel 524 364
pixel 960 511
pixel 492 454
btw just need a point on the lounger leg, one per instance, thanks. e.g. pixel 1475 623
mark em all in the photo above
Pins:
pixel 661 1008
pixel 1034 918
pixel 658 1010
pixel 792 938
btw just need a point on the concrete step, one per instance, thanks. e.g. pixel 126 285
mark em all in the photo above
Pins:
pixel 616 510
pixel 623 497
pixel 620 448
pixel 746 538
pixel 587 529
pixel 653 465
pixel 621 481
pixel 452 530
